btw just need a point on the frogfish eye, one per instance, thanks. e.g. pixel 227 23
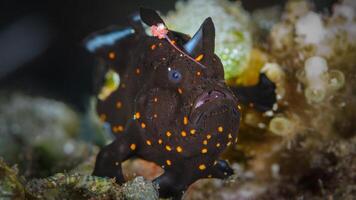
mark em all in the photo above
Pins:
pixel 174 76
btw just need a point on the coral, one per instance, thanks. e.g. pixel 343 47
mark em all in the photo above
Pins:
pixel 10 186
pixel 263 21
pixel 77 186
pixel 276 74
pixel 233 36
pixel 139 189
pixel 303 33
pixel 305 147
pixel 323 171
pixel 312 76
pixel 42 136
pixel 250 75
pixel 69 186
pixel 280 125
pixel 72 186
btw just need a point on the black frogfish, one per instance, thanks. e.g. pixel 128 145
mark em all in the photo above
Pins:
pixel 172 108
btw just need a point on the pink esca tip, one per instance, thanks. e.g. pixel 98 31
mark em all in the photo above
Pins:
pixel 159 31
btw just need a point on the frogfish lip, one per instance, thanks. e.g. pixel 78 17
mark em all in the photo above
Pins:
pixel 209 101
pixel 212 95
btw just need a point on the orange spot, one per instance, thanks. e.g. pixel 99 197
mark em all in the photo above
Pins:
pixel 137 115
pixel 168 148
pixel 198 73
pixel 218 145
pixel 120 128
pixel 102 117
pixel 202 167
pixel 199 58
pixel 239 107
pixel 220 129
pixel 118 104
pixel 133 147
pixel 154 115
pixel 180 91
pixel 155 99
pixel 192 131
pixel 143 125
pixel 204 150
pixel 179 149
pixel 148 142
pixel 229 143
pixel 168 134
pixel 205 142
pixel 208 136
pixel 138 71
pixel 160 141
pixel 183 133
pixel 230 136
pixel 173 42
pixel 168 162
pixel 153 47
pixel 114 129
pixel 112 55
pixel 185 120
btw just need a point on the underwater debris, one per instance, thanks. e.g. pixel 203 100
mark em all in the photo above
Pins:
pixel 10 186
pixel 233 37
